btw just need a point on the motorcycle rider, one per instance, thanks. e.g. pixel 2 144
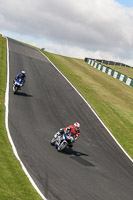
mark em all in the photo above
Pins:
pixel 21 76
pixel 74 130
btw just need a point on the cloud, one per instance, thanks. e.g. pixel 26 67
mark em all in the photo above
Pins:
pixel 100 28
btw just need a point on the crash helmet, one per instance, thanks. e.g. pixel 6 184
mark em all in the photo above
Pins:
pixel 76 126
pixel 23 72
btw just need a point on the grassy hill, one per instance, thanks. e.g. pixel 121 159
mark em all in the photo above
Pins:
pixel 110 98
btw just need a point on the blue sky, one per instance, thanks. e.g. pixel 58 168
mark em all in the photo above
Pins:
pixel 101 29
pixel 128 3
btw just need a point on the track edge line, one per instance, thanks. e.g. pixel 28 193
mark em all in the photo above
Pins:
pixel 8 132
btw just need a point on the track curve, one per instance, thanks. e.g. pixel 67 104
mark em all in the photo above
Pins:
pixel 95 169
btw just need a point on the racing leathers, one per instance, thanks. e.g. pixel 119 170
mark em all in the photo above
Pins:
pixel 70 129
pixel 22 77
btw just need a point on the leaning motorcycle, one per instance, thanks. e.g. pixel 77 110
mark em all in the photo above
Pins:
pixel 62 141
pixel 17 84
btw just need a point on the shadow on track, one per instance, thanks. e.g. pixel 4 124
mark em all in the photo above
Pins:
pixel 23 94
pixel 76 156
pixel 70 151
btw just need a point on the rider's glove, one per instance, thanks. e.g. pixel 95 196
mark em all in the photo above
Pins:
pixel 61 130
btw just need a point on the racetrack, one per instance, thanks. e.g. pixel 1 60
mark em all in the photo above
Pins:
pixel 96 168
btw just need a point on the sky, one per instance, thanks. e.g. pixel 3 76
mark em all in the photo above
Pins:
pixel 127 3
pixel 101 29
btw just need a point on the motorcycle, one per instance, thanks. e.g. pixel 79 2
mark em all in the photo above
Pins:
pixel 17 84
pixel 62 141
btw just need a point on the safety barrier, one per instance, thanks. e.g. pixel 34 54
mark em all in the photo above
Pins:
pixel 108 62
pixel 125 79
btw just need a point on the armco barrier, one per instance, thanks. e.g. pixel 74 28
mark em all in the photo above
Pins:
pixel 110 72
pixel 108 62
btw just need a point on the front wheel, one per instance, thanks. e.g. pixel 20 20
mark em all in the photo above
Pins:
pixel 62 146
pixel 14 89
pixel 53 141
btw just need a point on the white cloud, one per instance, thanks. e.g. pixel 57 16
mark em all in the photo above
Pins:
pixel 101 28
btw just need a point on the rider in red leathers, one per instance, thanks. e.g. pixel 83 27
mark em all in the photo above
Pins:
pixel 72 129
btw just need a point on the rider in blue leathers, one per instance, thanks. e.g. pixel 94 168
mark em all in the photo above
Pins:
pixel 21 76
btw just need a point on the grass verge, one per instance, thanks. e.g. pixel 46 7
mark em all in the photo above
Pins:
pixel 14 184
pixel 110 98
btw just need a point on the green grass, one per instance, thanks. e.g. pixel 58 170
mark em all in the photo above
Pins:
pixel 14 184
pixel 110 98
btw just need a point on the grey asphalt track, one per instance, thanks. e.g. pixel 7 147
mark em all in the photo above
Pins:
pixel 95 169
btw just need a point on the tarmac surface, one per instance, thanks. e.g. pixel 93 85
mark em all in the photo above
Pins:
pixel 96 168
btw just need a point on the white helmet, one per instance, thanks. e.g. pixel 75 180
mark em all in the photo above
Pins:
pixel 22 72
pixel 76 125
